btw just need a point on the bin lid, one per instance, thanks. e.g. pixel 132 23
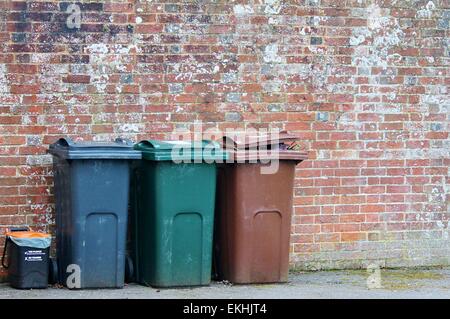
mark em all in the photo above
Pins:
pixel 155 150
pixel 27 234
pixel 252 141
pixel 119 149
pixel 253 155
pixel 246 147
pixel 30 239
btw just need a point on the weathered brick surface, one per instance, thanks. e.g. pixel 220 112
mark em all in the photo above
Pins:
pixel 364 82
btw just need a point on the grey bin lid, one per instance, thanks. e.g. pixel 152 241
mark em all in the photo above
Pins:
pixel 119 149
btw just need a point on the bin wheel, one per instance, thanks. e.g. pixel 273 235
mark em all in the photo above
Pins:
pixel 129 269
pixel 53 271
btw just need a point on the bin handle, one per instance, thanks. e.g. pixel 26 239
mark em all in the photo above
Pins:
pixel 4 253
pixel 125 141
pixel 9 230
pixel 147 143
pixel 65 141
pixel 21 228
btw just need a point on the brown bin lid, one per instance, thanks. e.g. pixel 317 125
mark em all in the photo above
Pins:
pixel 246 141
pixel 245 147
pixel 249 155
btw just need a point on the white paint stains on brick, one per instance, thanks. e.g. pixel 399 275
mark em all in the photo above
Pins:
pixel 123 49
pixel 184 77
pixel 376 17
pixel 26 120
pixel 138 20
pixel 271 54
pixel 436 195
pixel 434 99
pixel 131 128
pixel 426 12
pixel 305 30
pixel 347 122
pixel 97 48
pixel 39 160
pixel 3 81
pixel 275 20
pixel 315 21
pixel 45 213
pixel 41 58
pixel 272 6
pixel 382 33
pixel 102 65
pixel 196 68
pixel 50 76
pixel 242 10
pixel 356 40
pixel 100 81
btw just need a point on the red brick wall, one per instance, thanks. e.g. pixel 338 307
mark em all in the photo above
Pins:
pixel 364 82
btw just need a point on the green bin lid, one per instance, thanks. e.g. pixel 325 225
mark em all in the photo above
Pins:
pixel 155 150
pixel 119 149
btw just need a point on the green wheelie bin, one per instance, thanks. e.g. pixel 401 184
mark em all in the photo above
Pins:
pixel 173 212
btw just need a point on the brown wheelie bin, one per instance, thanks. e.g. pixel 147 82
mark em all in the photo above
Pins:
pixel 254 212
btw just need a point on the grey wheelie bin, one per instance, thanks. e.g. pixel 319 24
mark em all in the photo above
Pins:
pixel 92 194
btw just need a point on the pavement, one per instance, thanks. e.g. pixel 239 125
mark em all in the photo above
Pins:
pixel 350 284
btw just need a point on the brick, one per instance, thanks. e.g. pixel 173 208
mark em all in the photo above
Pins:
pixel 24 89
pixel 118 7
pixel 326 238
pixel 349 199
pixel 372 208
pixel 353 218
pixel 346 209
pixel 306 248
pixel 90 6
pixel 22 68
pixel 347 172
pixel 353 236
pixel 304 229
pixel 327 219
pixel 308 210
pixel 77 78
pixel 10 120
pixel 298 239
pixel 149 28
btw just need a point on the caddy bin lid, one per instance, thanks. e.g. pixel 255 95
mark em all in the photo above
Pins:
pixel 30 239
pixel 119 149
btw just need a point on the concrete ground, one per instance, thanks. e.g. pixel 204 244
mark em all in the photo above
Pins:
pixel 400 283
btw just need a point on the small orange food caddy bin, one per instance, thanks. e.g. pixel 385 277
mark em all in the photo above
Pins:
pixel 26 256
